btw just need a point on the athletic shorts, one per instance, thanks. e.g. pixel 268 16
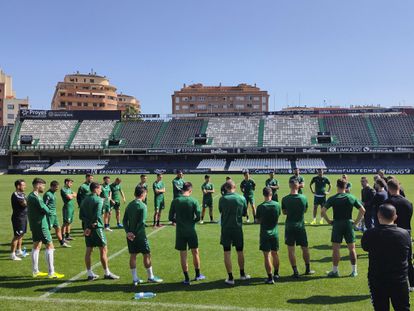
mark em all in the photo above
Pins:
pixel 19 225
pixel 41 234
pixel 275 197
pixel 159 204
pixel 207 203
pixel 53 222
pixel 181 242
pixel 116 205
pixel 249 199
pixel 268 244
pixel 231 238
pixel 68 213
pixel 107 208
pixel 343 229
pixel 319 201
pixel 139 245
pixel 296 235
pixel 97 238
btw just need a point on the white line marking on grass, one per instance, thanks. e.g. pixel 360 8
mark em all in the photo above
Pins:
pixel 79 275
pixel 137 303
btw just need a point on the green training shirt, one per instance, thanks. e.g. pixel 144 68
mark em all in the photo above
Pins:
pixel 50 200
pixel 295 206
pixel 67 203
pixel 134 218
pixel 106 189
pixel 268 213
pixel 91 211
pixel 186 211
pixel 207 186
pixel 271 182
pixel 342 204
pixel 177 184
pixel 320 185
pixel 116 192
pixel 83 191
pixel 300 179
pixel 248 187
pixel 232 207
pixel 37 212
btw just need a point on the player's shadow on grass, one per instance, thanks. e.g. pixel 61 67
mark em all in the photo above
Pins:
pixel 28 283
pixel 328 300
pixel 343 258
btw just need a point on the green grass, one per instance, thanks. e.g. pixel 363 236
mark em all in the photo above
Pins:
pixel 316 292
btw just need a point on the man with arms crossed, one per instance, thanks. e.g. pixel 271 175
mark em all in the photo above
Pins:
pixel 247 187
pixel 342 204
pixel 106 195
pixel 232 207
pixel 37 213
pixel 294 206
pixel 185 212
pixel 208 189
pixel 134 224
pixel 18 219
pixel 68 211
pixel 268 215
pixel 159 202
pixel 117 194
pixel 320 193
pixel 273 184
pixel 91 216
pixel 388 247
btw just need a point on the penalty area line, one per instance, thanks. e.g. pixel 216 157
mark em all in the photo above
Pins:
pixel 136 303
pixel 79 275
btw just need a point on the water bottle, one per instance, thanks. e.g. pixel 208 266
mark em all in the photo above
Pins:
pixel 24 253
pixel 144 295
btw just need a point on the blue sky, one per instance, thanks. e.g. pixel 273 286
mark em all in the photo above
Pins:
pixel 344 52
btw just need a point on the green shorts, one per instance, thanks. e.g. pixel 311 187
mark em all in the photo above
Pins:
pixel 249 199
pixel 231 238
pixel 41 234
pixel 68 213
pixel 97 238
pixel 181 242
pixel 343 229
pixel 159 204
pixel 53 222
pixel 107 208
pixel 296 235
pixel 207 203
pixel 268 244
pixel 139 245
pixel 116 205
pixel 319 201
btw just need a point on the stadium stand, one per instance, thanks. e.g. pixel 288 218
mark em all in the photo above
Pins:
pixel 48 132
pixel 5 132
pixel 233 132
pixel 170 164
pixel 139 134
pixel 268 163
pixel 179 133
pixel 33 165
pixel 348 163
pixel 394 129
pixel 77 165
pixel 92 133
pixel 290 131
pixel 213 164
pixel 310 163
pixel 349 130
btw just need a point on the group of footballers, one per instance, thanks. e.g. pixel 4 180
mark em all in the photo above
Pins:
pixel 96 201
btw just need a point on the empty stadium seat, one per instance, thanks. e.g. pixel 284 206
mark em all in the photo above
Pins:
pixel 5 132
pixel 92 133
pixel 233 132
pixel 311 163
pixel 179 133
pixel 213 164
pixel 140 134
pixel 394 130
pixel 269 163
pixel 48 132
pixel 77 165
pixel 350 130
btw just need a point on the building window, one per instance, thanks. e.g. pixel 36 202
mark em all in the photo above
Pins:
pixel 177 107
pixel 264 99
pixel 201 107
pixel 69 103
pixel 240 98
pixel 79 104
pixel 101 105
pixel 85 104
pixel 256 98
pixel 177 100
pixel 201 98
pixel 62 104
pixel 10 116
pixel 185 99
pixel 256 106
pixel 239 106
pixel 184 107
pixel 10 107
pixel 62 93
pixel 92 80
pixel 95 104
pixel 264 107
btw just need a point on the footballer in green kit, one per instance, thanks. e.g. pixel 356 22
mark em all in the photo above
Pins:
pixel 84 189
pixel 296 175
pixel 348 186
pixel 117 194
pixel 208 189
pixel 294 206
pixel 50 200
pixel 38 213
pixel 268 214
pixel 247 187
pixel 177 184
pixel 185 212
pixel 159 202
pixel 232 207
pixel 320 192
pixel 134 225
pixel 68 210
pixel 343 204
pixel 91 215
pixel 106 195
pixel 143 184
pixel 273 184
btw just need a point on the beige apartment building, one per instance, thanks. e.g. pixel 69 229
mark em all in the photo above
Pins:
pixel 90 92
pixel 197 98
pixel 9 104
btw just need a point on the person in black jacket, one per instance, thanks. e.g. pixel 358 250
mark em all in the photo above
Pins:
pixel 404 210
pixel 379 198
pixel 388 247
pixel 367 195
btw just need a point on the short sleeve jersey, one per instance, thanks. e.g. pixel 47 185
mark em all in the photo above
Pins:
pixel 268 213
pixel 320 184
pixel 342 204
pixel 295 206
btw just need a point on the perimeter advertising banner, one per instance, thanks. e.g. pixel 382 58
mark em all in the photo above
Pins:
pixel 31 114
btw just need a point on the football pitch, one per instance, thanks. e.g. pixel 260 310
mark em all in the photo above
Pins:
pixel 19 291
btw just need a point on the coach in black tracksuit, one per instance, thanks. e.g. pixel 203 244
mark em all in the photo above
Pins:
pixel 388 247
pixel 404 211
pixel 367 195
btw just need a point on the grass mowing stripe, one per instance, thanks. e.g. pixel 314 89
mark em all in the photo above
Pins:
pixel 137 303
pixel 79 275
